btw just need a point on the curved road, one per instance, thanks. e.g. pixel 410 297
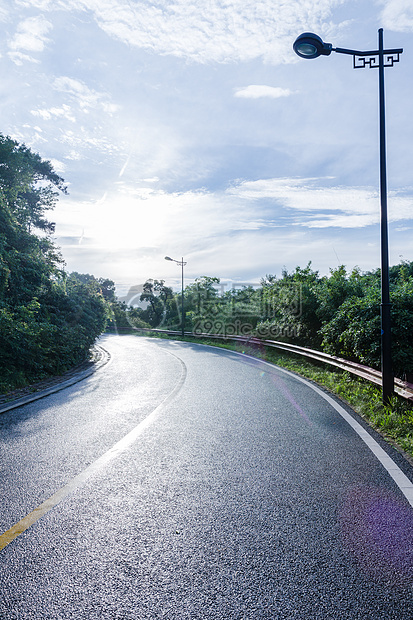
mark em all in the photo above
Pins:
pixel 187 482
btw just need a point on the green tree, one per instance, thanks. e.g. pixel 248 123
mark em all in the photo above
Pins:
pixel 108 289
pixel 124 318
pixel 354 329
pixel 28 185
pixel 203 305
pixel 334 290
pixel 48 320
pixel 157 295
pixel 353 332
pixel 291 306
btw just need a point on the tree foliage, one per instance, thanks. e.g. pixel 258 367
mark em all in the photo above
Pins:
pixel 338 313
pixel 48 319
pixel 157 296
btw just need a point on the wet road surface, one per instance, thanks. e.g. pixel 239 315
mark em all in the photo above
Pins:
pixel 193 483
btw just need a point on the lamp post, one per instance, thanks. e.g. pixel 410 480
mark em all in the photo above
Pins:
pixel 181 263
pixel 309 45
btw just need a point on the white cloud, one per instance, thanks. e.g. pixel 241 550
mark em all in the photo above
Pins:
pixel 130 217
pixel 82 139
pixel 85 97
pixel 219 30
pixel 42 5
pixel 243 220
pixel 179 127
pixel 256 91
pixel 47 114
pixel 19 59
pixel 341 207
pixel 127 233
pixel 58 166
pixel 82 94
pixel 31 35
pixel 398 15
pixel 73 156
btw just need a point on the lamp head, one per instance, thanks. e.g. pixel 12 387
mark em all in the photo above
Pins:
pixel 168 258
pixel 309 45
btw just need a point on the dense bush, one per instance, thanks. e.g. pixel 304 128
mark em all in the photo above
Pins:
pixel 124 318
pixel 48 319
pixel 338 313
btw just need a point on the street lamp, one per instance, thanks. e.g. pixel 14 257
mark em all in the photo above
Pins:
pixel 181 263
pixel 309 45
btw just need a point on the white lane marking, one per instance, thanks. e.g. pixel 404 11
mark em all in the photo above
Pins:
pixel 402 481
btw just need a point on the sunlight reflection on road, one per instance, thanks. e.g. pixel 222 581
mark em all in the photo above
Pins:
pixel 377 528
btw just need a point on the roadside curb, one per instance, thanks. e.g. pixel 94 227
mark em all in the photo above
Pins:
pixel 100 357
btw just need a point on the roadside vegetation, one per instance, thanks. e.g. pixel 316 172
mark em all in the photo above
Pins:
pixel 338 314
pixel 48 318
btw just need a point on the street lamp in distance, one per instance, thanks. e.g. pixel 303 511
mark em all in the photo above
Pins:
pixel 181 263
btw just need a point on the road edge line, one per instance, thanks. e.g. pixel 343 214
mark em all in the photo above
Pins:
pixel 401 480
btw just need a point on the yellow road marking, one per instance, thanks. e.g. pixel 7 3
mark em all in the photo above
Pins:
pixel 119 447
pixel 55 499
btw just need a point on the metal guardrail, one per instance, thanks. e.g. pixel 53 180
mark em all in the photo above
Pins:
pixel 402 388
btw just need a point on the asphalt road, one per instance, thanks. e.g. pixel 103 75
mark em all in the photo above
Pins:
pixel 187 482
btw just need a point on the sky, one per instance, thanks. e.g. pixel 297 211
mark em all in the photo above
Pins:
pixel 190 128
